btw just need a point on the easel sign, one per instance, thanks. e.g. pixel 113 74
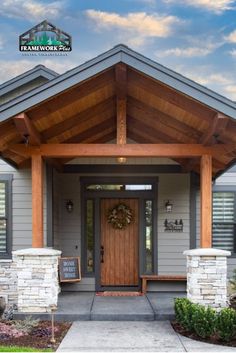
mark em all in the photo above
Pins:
pixel 69 269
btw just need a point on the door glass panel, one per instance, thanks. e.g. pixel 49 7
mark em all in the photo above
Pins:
pixel 90 235
pixel 149 236
pixel 118 187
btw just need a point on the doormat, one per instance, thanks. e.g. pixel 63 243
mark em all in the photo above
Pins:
pixel 119 294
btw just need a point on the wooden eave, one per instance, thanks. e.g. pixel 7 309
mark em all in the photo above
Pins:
pixel 123 103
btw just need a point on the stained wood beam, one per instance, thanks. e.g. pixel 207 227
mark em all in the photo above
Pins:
pixel 121 102
pixel 27 130
pixel 37 201
pixel 206 201
pixel 127 150
pixel 217 128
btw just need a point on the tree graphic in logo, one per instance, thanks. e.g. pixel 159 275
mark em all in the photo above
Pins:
pixel 45 37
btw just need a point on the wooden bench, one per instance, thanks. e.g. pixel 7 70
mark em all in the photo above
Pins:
pixel 146 278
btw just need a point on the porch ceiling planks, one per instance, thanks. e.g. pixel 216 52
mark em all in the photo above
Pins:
pixel 79 118
pixel 153 114
pixel 170 95
pixel 71 96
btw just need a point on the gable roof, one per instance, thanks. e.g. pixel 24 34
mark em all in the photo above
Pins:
pixel 26 77
pixel 119 53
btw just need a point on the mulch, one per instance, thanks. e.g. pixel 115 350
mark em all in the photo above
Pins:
pixel 39 337
pixel 214 339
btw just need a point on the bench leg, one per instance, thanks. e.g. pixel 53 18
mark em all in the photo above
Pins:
pixel 144 285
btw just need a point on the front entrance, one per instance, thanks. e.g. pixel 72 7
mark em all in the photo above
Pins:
pixel 119 247
pixel 114 257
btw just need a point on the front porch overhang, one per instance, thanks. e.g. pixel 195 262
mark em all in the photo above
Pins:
pixel 154 113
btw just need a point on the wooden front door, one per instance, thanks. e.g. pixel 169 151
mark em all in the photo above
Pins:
pixel 119 266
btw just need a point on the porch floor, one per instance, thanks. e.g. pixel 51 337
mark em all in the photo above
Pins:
pixel 86 306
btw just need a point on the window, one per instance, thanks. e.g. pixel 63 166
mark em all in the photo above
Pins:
pixel 224 229
pixel 5 216
pixel 149 236
pixel 89 231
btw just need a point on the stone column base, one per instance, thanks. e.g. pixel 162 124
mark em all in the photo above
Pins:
pixel 207 276
pixel 37 279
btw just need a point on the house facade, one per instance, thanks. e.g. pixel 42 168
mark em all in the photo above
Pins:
pixel 120 162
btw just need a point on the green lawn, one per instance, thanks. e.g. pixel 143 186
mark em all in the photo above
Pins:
pixel 22 349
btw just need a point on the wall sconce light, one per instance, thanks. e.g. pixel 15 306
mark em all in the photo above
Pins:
pixel 69 206
pixel 121 160
pixel 168 206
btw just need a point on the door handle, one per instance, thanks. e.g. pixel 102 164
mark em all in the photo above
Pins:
pixel 102 254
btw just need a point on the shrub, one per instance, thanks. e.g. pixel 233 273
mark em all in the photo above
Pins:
pixel 195 317
pixel 204 321
pixel 184 310
pixel 226 324
pixel 26 325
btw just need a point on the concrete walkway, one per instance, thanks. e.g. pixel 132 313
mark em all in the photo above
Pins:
pixel 130 336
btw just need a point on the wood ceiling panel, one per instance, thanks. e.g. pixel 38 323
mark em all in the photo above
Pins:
pixel 78 106
pixel 155 135
pixel 157 125
pixel 172 96
pixel 67 97
pixel 92 133
pixel 157 116
pixel 85 125
pixel 79 118
pixel 167 108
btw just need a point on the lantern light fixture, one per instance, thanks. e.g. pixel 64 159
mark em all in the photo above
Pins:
pixel 69 206
pixel 168 206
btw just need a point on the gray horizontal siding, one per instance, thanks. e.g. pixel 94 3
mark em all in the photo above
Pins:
pixel 21 206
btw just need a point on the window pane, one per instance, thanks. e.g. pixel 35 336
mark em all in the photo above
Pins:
pixel 223 220
pixel 149 236
pixel 2 200
pixel 119 187
pixel 3 236
pixel 90 235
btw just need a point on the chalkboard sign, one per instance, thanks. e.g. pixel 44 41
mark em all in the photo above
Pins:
pixel 69 269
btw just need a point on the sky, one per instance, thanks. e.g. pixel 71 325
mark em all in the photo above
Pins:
pixel 196 38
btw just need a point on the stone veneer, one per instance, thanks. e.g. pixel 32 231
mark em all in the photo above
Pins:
pixel 8 281
pixel 37 279
pixel 207 276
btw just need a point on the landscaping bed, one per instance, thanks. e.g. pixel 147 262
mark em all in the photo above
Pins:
pixel 32 333
pixel 214 339
pixel 204 323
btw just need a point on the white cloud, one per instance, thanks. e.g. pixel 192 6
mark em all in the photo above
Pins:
pixel 231 37
pixel 216 6
pixel 134 27
pixel 31 10
pixel 233 53
pixel 223 82
pixel 184 52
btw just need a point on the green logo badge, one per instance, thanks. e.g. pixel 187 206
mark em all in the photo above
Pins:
pixel 45 37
